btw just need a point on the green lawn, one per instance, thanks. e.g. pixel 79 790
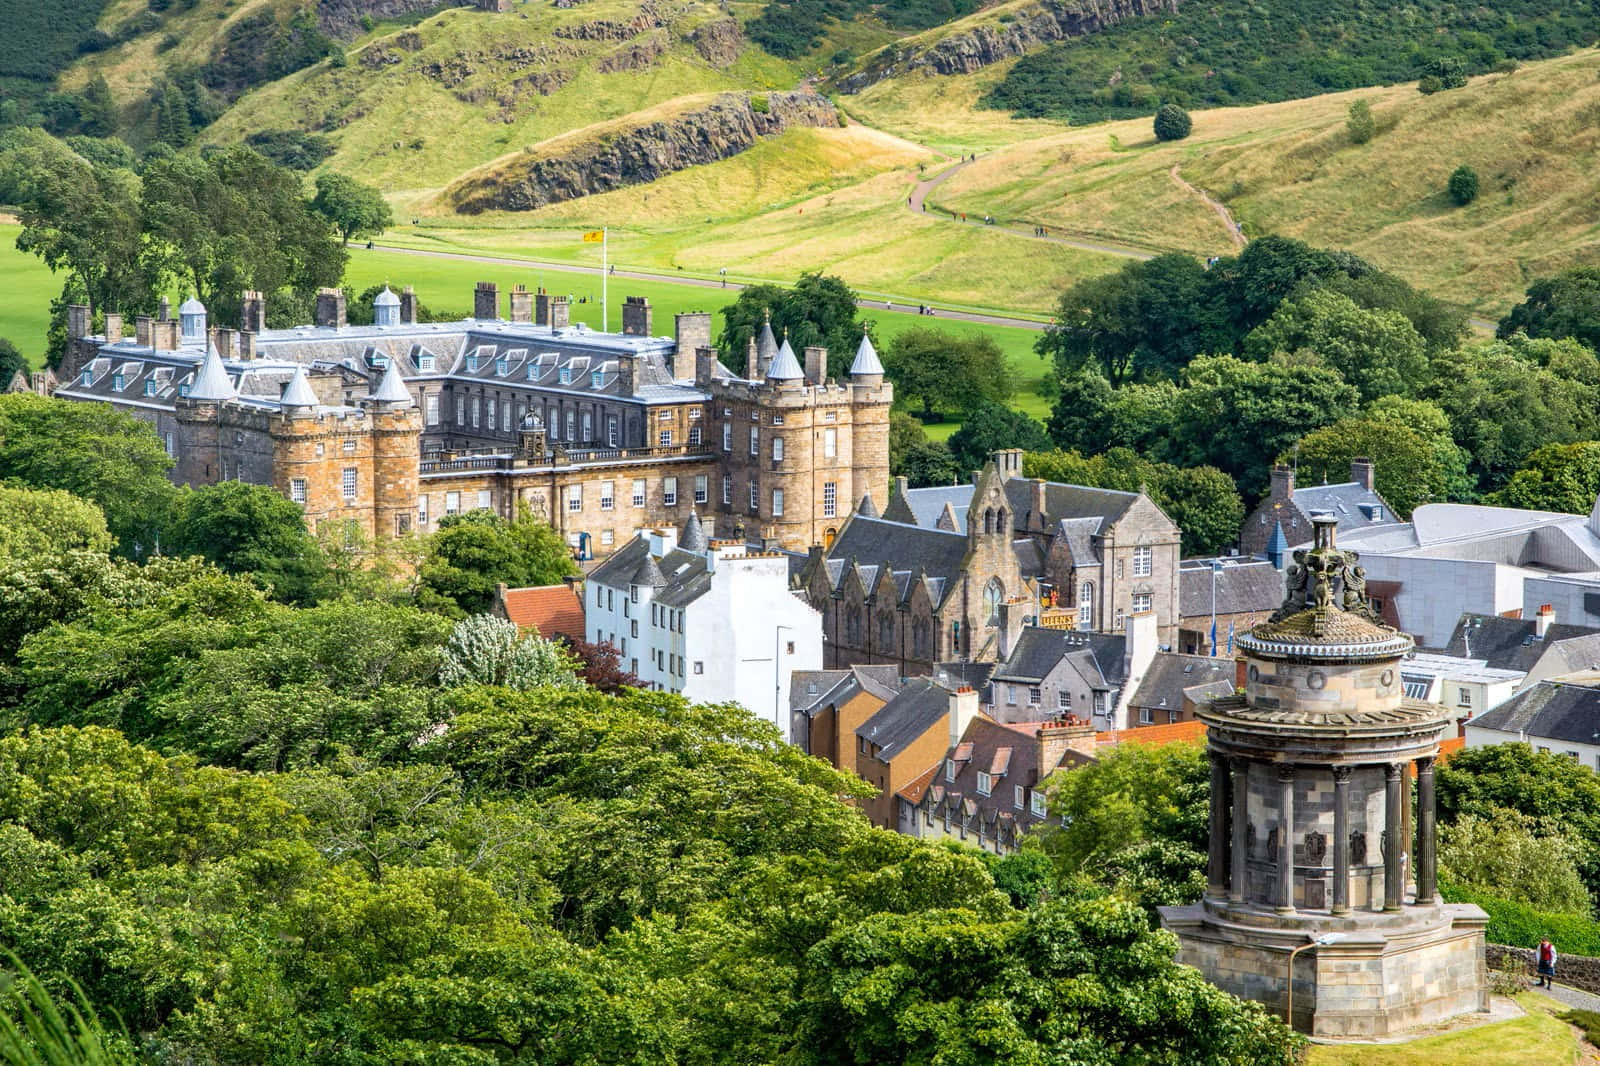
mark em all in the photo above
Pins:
pixel 1538 1037
pixel 25 295
pixel 446 285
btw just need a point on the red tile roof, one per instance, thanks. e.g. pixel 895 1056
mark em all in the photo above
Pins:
pixel 1175 733
pixel 914 791
pixel 554 610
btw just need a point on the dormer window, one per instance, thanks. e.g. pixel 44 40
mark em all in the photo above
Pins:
pixel 502 367
pixel 183 390
pixel 150 386
pixel 425 363
pixel 950 769
pixel 595 379
pixel 117 382
pixel 566 375
pixel 472 363
pixel 86 378
pixel 985 783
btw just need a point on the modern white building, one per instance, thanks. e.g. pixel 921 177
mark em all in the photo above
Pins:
pixel 714 620
pixel 1452 559
pixel 1464 687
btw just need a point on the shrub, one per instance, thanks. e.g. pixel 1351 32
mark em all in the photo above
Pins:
pixel 1521 926
pixel 1428 85
pixel 760 104
pixel 1360 124
pixel 1172 123
pixel 1464 185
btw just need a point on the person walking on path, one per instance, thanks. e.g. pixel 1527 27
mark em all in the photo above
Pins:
pixel 1547 963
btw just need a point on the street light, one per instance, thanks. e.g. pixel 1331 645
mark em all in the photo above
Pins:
pixel 777 676
pixel 1316 942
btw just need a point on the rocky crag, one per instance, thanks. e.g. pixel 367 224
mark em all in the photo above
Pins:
pixel 731 123
pixel 1026 30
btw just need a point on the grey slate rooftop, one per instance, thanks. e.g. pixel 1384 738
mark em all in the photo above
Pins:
pixel 1560 709
pixel 1512 643
pixel 919 706
pixel 1038 650
pixel 1242 587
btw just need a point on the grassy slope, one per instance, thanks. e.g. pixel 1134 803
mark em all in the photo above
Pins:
pixel 1533 136
pixel 1537 1037
pixel 411 131
pixel 29 288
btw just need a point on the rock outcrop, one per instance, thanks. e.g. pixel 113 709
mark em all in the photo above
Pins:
pixel 1029 28
pixel 728 125
pixel 719 43
pixel 341 19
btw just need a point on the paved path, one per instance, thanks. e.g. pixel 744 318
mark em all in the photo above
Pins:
pixel 1572 997
pixel 1235 233
pixel 918 204
pixel 904 307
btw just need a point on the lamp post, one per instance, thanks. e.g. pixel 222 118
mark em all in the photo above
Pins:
pixel 1316 942
pixel 777 676
pixel 1216 568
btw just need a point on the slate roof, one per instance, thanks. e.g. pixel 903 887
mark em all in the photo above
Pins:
pixel 1170 675
pixel 1038 650
pixel 812 690
pixel 554 610
pixel 872 540
pixel 1559 709
pixel 1242 588
pixel 918 707
pixel 1095 508
pixel 866 361
pixel 683 576
pixel 986 746
pixel 1507 643
pixel 1349 502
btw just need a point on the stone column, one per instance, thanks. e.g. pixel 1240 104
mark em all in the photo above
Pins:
pixel 1427 854
pixel 1217 868
pixel 1394 843
pixel 1241 825
pixel 1341 840
pixel 1286 839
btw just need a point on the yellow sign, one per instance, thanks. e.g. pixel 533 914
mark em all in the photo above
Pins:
pixel 594 236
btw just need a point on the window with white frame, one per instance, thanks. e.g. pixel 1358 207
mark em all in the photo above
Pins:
pixel 830 499
pixel 572 425
pixel 588 426
pixel 985 783
pixel 452 503
pixel 347 484
pixel 461 410
pixel 1464 697
pixel 485 499
pixel 1011 695
pixel 664 438
pixel 830 443
pixel 694 434
pixel 1036 804
pixel 1034 695
pixel 349 445
pixel 611 432
pixel 1064 700
pixel 777 503
pixel 505 417
pixel 1141 601
pixel 727 490
pixel 638 492
pixel 431 405
pixel 727 438
pixel 1146 716
pixel 1086 604
pixel 694 414
pixel 477 411
pixel 702 488
pixel 664 415
pixel 1019 797
pixel 607 495
pixel 606 538
pixel 491 411
pixel 297 490
pixel 1143 558
pixel 755 495
pixel 425 362
pixel 950 769
pixel 669 491
pixel 777 449
pixel 755 441
pixel 422 510
pixel 574 497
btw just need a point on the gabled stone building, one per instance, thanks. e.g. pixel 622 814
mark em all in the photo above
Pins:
pixel 1100 553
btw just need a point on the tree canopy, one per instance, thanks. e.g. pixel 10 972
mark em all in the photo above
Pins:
pixel 475 551
pixel 991 427
pixel 943 372
pixel 818 309
pixel 1565 305
pixel 354 209
pixel 249 529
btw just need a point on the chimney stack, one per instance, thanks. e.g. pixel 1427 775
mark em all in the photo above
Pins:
pixel 408 306
pixel 752 368
pixel 113 327
pixel 705 365
pixel 691 330
pixel 222 341
pixel 963 709
pixel 521 304
pixel 253 311
pixel 1362 472
pixel 541 308
pixel 1544 620
pixel 637 318
pixel 144 331
pixel 1007 462
pixel 486 301
pixel 166 335
pixel 247 345
pixel 331 309
pixel 560 312
pixel 1139 651
pixel 1070 734
pixel 164 310
pixel 816 364
pixel 1282 482
pixel 78 321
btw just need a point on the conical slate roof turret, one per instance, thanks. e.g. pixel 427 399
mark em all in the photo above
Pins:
pixel 298 392
pixel 693 537
pixel 392 389
pixel 866 508
pixel 867 361
pixel 766 344
pixel 785 367
pixel 649 574
pixel 212 383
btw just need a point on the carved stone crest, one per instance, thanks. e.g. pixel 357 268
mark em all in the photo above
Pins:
pixel 1358 848
pixel 1316 848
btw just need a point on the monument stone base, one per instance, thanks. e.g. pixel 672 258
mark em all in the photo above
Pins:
pixel 1383 974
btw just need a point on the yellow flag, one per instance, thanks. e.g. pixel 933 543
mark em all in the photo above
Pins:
pixel 594 236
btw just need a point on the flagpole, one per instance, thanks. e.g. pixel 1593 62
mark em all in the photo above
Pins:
pixel 605 308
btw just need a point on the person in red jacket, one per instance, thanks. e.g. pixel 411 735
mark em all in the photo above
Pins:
pixel 1547 962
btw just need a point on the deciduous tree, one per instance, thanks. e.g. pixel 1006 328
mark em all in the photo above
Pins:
pixel 354 209
pixel 946 372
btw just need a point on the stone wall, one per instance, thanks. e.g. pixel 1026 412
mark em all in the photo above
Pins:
pixel 1579 971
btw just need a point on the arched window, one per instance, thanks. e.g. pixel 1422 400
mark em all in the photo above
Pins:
pixel 994 594
pixel 852 627
pixel 886 630
pixel 988 520
pixel 1086 604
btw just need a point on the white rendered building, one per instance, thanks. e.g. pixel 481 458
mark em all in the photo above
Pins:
pixel 714 620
